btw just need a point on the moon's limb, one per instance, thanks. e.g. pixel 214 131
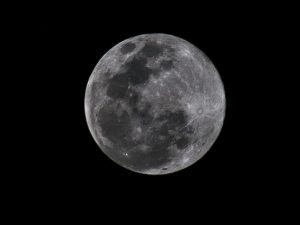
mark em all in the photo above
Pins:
pixel 155 104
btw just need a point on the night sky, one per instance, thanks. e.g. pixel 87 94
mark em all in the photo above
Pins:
pixel 65 45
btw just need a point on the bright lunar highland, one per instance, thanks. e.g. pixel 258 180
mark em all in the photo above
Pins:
pixel 155 104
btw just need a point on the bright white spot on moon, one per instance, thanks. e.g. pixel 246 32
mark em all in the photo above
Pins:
pixel 185 52
pixel 185 160
pixel 166 75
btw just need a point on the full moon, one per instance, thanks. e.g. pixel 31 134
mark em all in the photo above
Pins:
pixel 155 104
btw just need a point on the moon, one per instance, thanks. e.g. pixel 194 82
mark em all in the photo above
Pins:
pixel 155 104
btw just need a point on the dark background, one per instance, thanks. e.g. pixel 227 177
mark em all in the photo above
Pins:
pixel 65 163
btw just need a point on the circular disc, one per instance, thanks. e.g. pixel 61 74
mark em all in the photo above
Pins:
pixel 155 104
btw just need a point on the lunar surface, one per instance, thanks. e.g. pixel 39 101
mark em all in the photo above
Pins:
pixel 155 104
